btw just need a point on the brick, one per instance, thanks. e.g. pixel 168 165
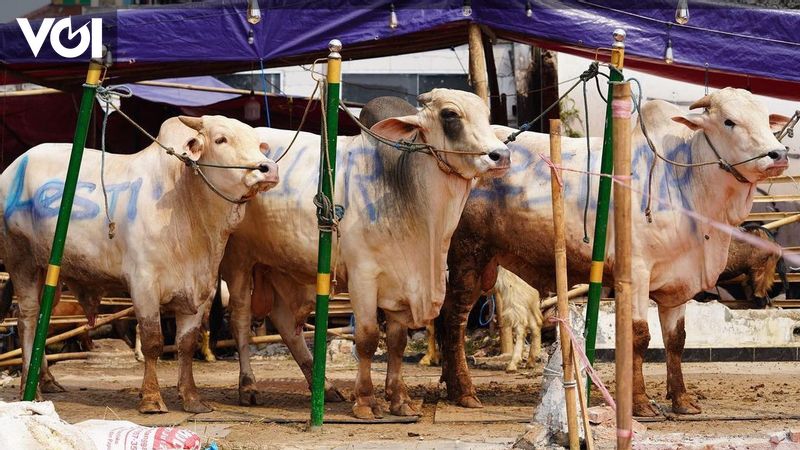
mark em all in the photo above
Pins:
pixel 794 434
pixel 601 414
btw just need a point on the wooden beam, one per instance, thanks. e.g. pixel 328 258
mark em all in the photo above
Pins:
pixel 766 216
pixel 477 63
pixel 776 198
pixel 499 115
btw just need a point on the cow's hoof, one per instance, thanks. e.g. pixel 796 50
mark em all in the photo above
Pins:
pixel 209 357
pixel 152 405
pixel 369 411
pixel 644 410
pixel 511 368
pixel 249 396
pixel 470 401
pixel 404 408
pixel 685 405
pixel 333 395
pixel 51 387
pixel 427 360
pixel 196 406
pixel 139 356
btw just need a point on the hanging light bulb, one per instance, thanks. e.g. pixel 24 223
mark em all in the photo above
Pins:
pixel 682 12
pixel 253 12
pixel 668 55
pixel 393 23
pixel 252 108
pixel 251 37
pixel 528 9
pixel 466 8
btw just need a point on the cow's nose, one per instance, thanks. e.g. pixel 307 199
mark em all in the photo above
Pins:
pixel 263 167
pixel 501 156
pixel 779 155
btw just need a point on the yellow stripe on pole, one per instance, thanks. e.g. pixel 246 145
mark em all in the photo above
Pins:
pixel 596 272
pixel 93 75
pixel 52 275
pixel 323 284
pixel 334 70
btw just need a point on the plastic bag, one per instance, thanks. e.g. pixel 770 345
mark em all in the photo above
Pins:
pixel 124 435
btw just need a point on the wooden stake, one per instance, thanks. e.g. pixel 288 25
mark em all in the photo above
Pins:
pixel 587 429
pixel 74 332
pixel 621 126
pixel 273 339
pixel 574 292
pixel 477 63
pixel 561 284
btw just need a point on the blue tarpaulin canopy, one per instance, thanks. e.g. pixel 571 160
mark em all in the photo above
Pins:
pixel 755 48
pixel 182 97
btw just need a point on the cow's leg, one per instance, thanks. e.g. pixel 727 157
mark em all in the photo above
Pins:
pixel 431 357
pixel 284 321
pixel 516 352
pixel 641 339
pixel 366 337
pixel 452 334
pixel 188 327
pixel 152 346
pixel 396 392
pixel 27 288
pixel 674 333
pixel 239 286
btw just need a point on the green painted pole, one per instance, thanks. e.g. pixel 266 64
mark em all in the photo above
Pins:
pixel 328 179
pixel 60 238
pixel 603 201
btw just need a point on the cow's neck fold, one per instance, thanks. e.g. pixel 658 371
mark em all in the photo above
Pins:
pixel 718 195
pixel 432 205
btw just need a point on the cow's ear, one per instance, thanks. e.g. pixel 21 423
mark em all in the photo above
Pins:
pixel 194 146
pixel 264 147
pixel 693 121
pixel 397 128
pixel 777 122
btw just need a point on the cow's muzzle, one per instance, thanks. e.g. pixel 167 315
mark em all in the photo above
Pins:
pixel 263 178
pixel 501 159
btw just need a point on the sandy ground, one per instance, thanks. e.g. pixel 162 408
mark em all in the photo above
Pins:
pixel 106 386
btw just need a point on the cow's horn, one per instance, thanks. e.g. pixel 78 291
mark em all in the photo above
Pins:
pixel 704 102
pixel 192 122
pixel 425 98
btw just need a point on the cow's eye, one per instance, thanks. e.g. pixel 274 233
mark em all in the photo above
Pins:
pixel 729 123
pixel 449 114
pixel 221 140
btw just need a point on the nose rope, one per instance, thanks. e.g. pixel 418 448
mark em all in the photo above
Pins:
pixel 414 147
pixel 105 94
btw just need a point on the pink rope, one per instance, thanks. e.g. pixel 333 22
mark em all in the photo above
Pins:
pixel 724 227
pixel 587 366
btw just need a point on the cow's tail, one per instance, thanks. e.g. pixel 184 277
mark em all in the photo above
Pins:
pixel 6 298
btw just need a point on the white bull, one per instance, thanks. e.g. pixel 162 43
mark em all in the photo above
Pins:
pixel 400 212
pixel 674 257
pixel 171 233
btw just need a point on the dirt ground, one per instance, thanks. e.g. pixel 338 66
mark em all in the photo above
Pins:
pixel 106 386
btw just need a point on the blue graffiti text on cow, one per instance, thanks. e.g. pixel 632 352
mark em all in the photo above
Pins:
pixel 46 200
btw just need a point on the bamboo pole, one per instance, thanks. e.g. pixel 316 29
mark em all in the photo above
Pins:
pixel 62 225
pixel 572 293
pixel 327 170
pixel 29 92
pixel 561 283
pixel 193 87
pixel 50 358
pixel 342 333
pixel 587 429
pixel 477 63
pixel 74 332
pixel 621 113
pixel 782 222
pixel 59 320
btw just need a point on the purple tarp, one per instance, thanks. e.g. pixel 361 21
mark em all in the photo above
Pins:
pixel 745 46
pixel 183 97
